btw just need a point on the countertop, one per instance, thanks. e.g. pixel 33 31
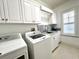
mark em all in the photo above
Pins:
pixel 53 33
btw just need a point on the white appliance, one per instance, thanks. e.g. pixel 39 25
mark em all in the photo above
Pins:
pixel 38 45
pixel 12 46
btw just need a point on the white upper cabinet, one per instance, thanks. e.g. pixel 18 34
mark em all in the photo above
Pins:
pixel 19 11
pixel 12 11
pixel 27 12
pixel 37 14
pixel 31 12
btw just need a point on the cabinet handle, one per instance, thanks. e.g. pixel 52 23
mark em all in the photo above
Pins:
pixel 6 19
pixel 44 38
pixel 0 38
pixel 0 53
pixel 54 38
pixel 2 19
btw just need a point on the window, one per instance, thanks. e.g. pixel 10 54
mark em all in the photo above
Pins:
pixel 68 21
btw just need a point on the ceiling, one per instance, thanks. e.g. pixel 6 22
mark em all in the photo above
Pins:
pixel 54 3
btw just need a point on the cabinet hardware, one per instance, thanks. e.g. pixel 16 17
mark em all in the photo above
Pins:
pixel 43 37
pixel 54 38
pixel 0 38
pixel 0 53
pixel 6 19
pixel 55 49
pixel 2 19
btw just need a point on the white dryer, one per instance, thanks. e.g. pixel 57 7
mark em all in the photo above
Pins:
pixel 38 45
pixel 12 46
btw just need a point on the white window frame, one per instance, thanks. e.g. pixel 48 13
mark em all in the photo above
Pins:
pixel 66 11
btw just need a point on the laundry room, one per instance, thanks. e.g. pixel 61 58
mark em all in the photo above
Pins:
pixel 39 29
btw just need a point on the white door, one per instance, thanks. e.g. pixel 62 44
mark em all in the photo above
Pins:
pixel 27 12
pixel 2 20
pixel 12 11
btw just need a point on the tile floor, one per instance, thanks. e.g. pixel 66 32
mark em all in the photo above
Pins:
pixel 65 51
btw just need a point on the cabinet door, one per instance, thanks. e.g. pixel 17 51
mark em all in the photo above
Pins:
pixel 55 39
pixel 52 44
pixel 33 13
pixel 27 12
pixel 37 14
pixel 12 11
pixel 1 12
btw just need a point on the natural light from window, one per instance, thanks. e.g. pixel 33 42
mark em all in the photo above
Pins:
pixel 68 21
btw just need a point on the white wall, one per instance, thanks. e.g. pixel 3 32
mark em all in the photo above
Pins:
pixel 9 28
pixel 42 3
pixel 71 40
pixel 71 4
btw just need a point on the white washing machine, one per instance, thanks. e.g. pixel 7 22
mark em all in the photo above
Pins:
pixel 38 45
pixel 12 46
